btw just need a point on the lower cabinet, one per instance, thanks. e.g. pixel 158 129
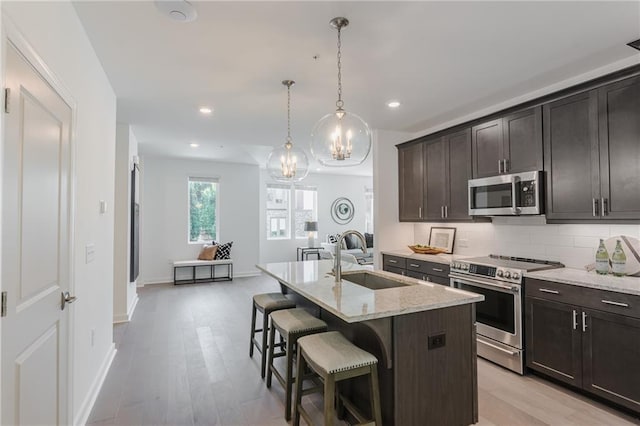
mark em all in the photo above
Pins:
pixel 421 269
pixel 597 350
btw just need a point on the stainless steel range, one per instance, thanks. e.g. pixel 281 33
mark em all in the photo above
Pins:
pixel 499 316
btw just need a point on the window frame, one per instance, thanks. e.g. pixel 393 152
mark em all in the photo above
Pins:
pixel 287 209
pixel 216 226
pixel 314 215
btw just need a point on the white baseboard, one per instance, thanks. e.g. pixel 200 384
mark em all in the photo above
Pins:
pixel 126 317
pixel 87 405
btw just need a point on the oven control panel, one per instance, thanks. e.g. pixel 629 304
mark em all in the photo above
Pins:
pixel 496 272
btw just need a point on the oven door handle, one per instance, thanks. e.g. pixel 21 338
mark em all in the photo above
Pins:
pixel 514 202
pixel 487 285
pixel 512 353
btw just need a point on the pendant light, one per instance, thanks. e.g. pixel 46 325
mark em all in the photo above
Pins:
pixel 287 163
pixel 340 138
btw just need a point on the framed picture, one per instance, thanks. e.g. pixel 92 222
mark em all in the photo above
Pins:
pixel 342 211
pixel 442 238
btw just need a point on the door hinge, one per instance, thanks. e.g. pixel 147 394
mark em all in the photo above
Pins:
pixel 7 100
pixel 3 304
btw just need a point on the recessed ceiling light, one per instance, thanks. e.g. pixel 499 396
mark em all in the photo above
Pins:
pixel 206 110
pixel 393 104
pixel 194 145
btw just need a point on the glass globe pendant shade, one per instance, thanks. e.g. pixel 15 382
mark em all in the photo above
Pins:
pixel 340 139
pixel 288 164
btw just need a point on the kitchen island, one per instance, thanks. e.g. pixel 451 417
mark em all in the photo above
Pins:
pixel 423 335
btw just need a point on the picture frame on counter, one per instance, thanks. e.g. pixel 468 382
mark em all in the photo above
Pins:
pixel 442 237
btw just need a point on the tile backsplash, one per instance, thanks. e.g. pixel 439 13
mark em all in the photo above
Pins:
pixel 573 245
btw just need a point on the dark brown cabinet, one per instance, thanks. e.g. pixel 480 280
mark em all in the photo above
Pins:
pixel 433 176
pixel 587 338
pixel 509 144
pixel 421 269
pixel 592 147
pixel 411 182
pixel 447 171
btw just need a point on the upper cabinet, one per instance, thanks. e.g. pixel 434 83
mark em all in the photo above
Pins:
pixel 509 144
pixel 411 182
pixel 448 170
pixel 433 178
pixel 592 154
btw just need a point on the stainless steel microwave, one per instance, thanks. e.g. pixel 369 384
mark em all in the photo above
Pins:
pixel 507 195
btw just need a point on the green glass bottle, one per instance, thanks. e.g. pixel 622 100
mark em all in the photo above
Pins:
pixel 618 260
pixel 602 259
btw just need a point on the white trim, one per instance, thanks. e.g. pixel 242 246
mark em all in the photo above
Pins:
pixel 12 34
pixel 94 390
pixel 117 319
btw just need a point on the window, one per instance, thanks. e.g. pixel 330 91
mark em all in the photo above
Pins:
pixel 306 208
pixel 203 209
pixel 278 212
pixel 368 200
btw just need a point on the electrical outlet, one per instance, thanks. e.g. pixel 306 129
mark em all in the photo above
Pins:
pixel 437 341
pixel 89 253
pixel 463 243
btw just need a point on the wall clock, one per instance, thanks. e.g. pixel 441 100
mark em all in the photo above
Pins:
pixel 342 211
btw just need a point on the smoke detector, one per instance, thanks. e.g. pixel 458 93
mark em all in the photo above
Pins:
pixel 177 10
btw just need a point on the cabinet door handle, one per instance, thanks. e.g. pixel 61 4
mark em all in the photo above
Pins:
pixel 499 166
pixel 392 261
pixel 413 265
pixel 575 319
pixel 584 322
pixel 544 290
pixel 420 212
pixel 595 207
pixel 426 278
pixel 437 269
pixel 604 204
pixel 446 211
pixel 505 167
pixel 442 212
pixel 611 302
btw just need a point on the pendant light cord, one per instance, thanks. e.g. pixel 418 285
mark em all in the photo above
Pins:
pixel 339 102
pixel 288 113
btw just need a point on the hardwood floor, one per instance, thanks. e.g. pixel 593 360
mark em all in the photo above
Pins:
pixel 184 360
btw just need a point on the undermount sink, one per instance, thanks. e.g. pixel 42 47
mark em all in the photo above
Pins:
pixel 372 280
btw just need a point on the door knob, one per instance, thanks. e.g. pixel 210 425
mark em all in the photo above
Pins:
pixel 66 298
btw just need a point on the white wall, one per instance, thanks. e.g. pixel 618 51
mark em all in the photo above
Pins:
pixel 125 295
pixel 329 188
pixel 389 232
pixel 164 217
pixel 57 36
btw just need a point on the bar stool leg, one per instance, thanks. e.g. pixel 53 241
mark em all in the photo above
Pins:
pixel 253 328
pixel 329 399
pixel 272 338
pixel 374 394
pixel 300 367
pixel 288 378
pixel 265 331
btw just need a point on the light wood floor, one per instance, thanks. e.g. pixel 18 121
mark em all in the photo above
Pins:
pixel 184 360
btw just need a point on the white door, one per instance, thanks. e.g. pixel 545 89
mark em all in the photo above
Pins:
pixel 35 248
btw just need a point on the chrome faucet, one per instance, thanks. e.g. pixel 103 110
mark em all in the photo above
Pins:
pixel 337 266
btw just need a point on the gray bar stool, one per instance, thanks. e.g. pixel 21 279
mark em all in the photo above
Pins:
pixel 334 358
pixel 265 303
pixel 291 324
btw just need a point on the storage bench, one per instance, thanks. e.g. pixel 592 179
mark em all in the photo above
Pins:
pixel 195 264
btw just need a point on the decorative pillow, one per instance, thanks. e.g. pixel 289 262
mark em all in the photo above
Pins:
pixel 353 242
pixel 208 252
pixel 369 239
pixel 224 251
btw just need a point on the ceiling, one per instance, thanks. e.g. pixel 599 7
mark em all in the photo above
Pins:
pixel 441 60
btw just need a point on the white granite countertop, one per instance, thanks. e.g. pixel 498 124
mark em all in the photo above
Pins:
pixel 582 278
pixel 437 258
pixel 352 302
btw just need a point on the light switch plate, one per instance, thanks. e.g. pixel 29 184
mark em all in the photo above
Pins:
pixel 89 253
pixel 103 206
